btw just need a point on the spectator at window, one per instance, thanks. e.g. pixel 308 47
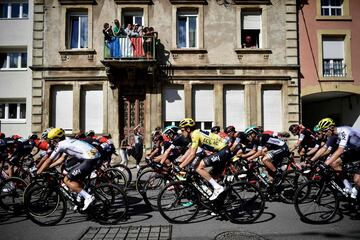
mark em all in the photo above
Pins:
pixel 248 42
pixel 118 31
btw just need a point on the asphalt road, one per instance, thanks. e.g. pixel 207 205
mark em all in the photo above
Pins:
pixel 279 221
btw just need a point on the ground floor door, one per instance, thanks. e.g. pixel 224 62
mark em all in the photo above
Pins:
pixel 133 114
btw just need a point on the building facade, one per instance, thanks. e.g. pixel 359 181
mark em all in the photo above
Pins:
pixel 220 62
pixel 16 24
pixel 329 56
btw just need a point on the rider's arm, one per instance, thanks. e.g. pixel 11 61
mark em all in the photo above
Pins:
pixel 258 153
pixel 313 150
pixel 59 161
pixel 188 157
pixel 335 156
pixel 252 152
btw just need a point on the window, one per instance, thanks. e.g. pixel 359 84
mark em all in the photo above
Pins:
pixel 12 111
pixel 61 108
pixel 77 30
pixel 13 59
pixel 92 114
pixel 272 109
pixel 251 29
pixel 174 105
pixel 187 29
pixel 331 7
pixel 132 17
pixel 14 9
pixel 234 106
pixel 333 56
pixel 203 100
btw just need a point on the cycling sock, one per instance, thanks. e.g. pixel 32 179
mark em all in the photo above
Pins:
pixel 84 194
pixel 214 183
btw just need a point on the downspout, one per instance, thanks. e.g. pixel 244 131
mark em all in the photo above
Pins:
pixel 298 6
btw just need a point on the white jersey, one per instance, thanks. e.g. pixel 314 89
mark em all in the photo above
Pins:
pixel 75 148
pixel 349 137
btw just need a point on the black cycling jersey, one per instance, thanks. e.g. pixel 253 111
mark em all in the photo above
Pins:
pixel 307 138
pixel 23 148
pixel 271 143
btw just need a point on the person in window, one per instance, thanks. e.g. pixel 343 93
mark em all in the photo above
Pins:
pixel 248 42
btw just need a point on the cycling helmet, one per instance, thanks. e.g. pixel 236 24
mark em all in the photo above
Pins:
pixel 2 135
pixel 171 129
pixel 215 129
pixel 251 129
pixel 316 129
pixel 325 123
pixel 187 122
pixel 44 134
pixel 56 133
pixel 15 137
pixel 80 135
pixel 229 129
pixel 90 133
pixel 294 128
pixel 33 136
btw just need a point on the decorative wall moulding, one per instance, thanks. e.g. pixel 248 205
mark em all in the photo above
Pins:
pixel 204 2
pixel 77 2
pixel 248 2
pixel 148 2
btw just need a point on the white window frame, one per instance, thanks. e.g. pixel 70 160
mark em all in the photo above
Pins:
pixel 6 119
pixel 251 12
pixel 21 10
pixel 332 61
pixel 69 25
pixel 181 13
pixel 19 60
pixel 330 7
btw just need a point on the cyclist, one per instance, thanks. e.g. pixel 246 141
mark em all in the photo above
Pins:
pixel 348 149
pixel 272 149
pixel 170 133
pixel 306 139
pixel 207 141
pixel 235 140
pixel 86 154
pixel 3 148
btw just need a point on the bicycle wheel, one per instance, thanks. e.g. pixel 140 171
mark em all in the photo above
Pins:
pixel 110 203
pixel 178 202
pixel 115 176
pixel 244 203
pixel 152 188
pixel 11 194
pixel 143 178
pixel 291 180
pixel 45 205
pixel 316 202
pixel 126 170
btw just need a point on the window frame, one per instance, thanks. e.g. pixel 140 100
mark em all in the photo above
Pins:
pixel 21 9
pixel 69 26
pixel 202 124
pixel 344 16
pixel 258 44
pixel 18 118
pixel 346 34
pixel 187 39
pixel 19 53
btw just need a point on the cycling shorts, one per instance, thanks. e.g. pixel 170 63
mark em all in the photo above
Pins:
pixel 277 155
pixel 83 169
pixel 218 159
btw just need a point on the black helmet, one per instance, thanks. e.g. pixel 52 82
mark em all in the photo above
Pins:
pixel 229 129
pixel 215 129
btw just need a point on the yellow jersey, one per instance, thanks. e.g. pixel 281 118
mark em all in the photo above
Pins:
pixel 207 140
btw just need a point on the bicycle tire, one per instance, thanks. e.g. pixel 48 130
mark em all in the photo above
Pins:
pixel 11 194
pixel 37 207
pixel 110 205
pixel 115 176
pixel 126 170
pixel 152 188
pixel 290 182
pixel 143 177
pixel 141 169
pixel 308 206
pixel 178 202
pixel 244 203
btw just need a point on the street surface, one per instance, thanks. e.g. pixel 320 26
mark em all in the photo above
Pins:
pixel 279 221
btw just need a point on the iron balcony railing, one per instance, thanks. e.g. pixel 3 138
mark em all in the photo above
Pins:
pixel 130 48
pixel 334 68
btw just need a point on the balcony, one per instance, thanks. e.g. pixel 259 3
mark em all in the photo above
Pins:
pixel 334 68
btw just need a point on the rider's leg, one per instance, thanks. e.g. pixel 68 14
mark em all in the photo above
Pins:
pixel 267 162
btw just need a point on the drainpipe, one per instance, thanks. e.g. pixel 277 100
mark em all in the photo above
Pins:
pixel 298 7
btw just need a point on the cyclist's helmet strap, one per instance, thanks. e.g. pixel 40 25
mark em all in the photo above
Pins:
pixel 326 123
pixel 187 122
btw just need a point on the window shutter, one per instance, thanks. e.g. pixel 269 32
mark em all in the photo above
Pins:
pixel 204 103
pixel 62 108
pixel 235 107
pixel 174 109
pixel 251 20
pixel 93 110
pixel 333 48
pixel 272 110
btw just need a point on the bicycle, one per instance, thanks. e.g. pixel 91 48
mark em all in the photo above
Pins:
pixel 180 201
pixel 46 204
pixel 317 201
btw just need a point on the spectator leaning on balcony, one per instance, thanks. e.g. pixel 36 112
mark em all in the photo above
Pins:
pixel 118 31
pixel 108 35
